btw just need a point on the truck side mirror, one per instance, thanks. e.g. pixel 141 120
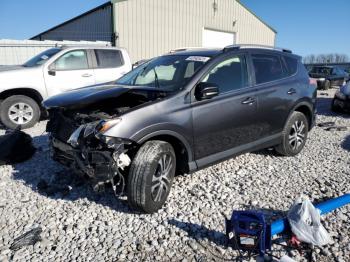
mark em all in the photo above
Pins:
pixel 52 70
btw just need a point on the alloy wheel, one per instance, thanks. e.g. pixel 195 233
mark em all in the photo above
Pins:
pixel 161 179
pixel 297 135
pixel 20 113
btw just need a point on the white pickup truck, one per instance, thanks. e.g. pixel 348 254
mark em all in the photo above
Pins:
pixel 54 71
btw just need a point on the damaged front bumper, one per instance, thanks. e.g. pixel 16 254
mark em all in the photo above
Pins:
pixel 101 158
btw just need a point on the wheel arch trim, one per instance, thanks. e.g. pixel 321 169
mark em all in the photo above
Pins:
pixel 169 133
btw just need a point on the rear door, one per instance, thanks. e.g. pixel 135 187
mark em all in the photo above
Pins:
pixel 228 120
pixel 70 71
pixel 109 65
pixel 277 90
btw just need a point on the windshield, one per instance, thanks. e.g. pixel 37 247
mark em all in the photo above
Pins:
pixel 42 57
pixel 170 72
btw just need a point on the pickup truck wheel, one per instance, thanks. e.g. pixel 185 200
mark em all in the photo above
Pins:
pixel 151 176
pixel 294 135
pixel 19 110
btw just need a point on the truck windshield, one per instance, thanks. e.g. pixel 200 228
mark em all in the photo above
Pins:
pixel 42 57
pixel 169 73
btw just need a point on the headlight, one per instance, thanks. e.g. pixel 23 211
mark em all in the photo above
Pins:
pixel 106 125
pixel 321 79
pixel 340 95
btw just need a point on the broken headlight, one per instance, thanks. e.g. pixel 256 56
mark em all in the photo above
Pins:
pixel 104 126
pixel 73 139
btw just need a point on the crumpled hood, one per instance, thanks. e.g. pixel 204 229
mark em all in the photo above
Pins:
pixel 89 95
pixel 345 89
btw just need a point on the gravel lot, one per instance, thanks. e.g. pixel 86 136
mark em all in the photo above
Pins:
pixel 87 226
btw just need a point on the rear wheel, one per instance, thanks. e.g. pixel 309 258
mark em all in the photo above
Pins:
pixel 334 107
pixel 151 176
pixel 294 135
pixel 20 111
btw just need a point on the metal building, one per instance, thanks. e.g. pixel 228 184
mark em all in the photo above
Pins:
pixel 148 28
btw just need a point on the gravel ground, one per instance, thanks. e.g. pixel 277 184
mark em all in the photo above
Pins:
pixel 87 226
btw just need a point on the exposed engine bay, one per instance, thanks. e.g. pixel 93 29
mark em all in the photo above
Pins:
pixel 77 140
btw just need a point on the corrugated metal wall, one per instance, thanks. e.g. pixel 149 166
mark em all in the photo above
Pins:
pixel 16 52
pixel 148 28
pixel 93 26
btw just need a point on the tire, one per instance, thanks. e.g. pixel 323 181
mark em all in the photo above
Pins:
pixel 27 108
pixel 327 85
pixel 335 108
pixel 145 171
pixel 294 135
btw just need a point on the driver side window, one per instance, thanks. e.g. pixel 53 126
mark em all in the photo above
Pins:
pixel 72 60
pixel 228 75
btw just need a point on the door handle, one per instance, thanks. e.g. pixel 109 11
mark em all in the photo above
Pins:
pixel 248 101
pixel 86 75
pixel 291 91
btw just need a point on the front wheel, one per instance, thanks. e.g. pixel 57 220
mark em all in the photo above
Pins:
pixel 294 135
pixel 19 110
pixel 151 176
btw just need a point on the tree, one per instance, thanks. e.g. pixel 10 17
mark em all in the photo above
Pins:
pixel 326 58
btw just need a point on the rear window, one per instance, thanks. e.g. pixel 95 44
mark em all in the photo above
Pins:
pixel 267 68
pixel 109 58
pixel 291 64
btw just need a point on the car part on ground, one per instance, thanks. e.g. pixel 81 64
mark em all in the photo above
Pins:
pixel 19 111
pixel 29 238
pixel 336 128
pixel 326 124
pixel 166 103
pixel 16 146
pixel 52 189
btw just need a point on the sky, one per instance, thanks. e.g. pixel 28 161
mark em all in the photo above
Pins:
pixel 307 26
pixel 304 26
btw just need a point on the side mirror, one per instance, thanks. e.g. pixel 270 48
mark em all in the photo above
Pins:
pixel 206 91
pixel 52 70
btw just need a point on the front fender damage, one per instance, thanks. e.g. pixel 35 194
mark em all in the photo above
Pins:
pixel 103 159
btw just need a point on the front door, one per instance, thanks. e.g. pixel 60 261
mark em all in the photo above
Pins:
pixel 68 72
pixel 226 121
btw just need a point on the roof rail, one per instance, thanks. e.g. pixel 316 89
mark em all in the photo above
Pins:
pixel 187 49
pixel 242 46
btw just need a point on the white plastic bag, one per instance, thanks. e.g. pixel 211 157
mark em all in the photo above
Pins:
pixel 305 222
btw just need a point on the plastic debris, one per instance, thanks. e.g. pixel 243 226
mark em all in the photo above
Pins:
pixel 27 239
pixel 305 222
pixel 16 146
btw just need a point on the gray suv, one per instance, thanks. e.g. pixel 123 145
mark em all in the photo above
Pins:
pixel 181 112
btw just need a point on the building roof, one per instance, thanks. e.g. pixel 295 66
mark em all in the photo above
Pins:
pixel 262 21
pixel 73 19
pixel 114 1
